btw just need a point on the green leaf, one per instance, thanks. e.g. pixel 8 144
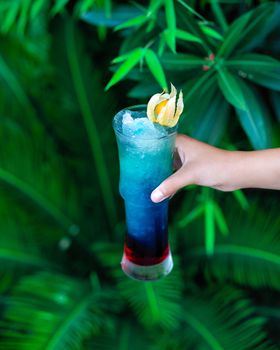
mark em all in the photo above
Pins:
pixel 155 68
pixel 131 61
pixel 256 30
pixel 79 73
pixel 125 334
pixel 261 69
pixel 171 23
pixel 30 179
pixel 212 33
pixel 192 11
pixel 121 58
pixel 154 303
pixel 187 22
pixel 193 215
pixel 255 120
pixel 217 319
pixel 154 6
pixel 253 60
pixel 197 84
pixel 10 17
pixel 53 311
pixel 208 111
pixel 220 220
pixel 119 14
pixel 241 199
pixel 137 21
pixel 58 6
pixel 183 35
pixel 15 87
pixel 219 14
pixel 181 62
pixel 245 29
pixel 230 88
pixel 209 223
pixel 233 35
pixel 247 256
pixel 20 247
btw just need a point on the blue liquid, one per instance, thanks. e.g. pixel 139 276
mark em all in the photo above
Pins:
pixel 144 164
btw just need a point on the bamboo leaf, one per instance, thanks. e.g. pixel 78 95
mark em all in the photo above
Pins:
pixel 218 13
pixel 181 62
pixel 212 33
pixel 133 22
pixel 245 29
pixel 154 6
pixel 240 257
pixel 211 125
pixel 209 223
pixel 198 84
pixel 233 35
pixel 208 111
pixel 183 35
pixel 58 6
pixel 255 119
pixel 241 199
pixel 119 15
pixel 193 215
pixel 155 68
pixel 188 23
pixel 229 87
pixel 126 67
pixel 220 220
pixel 255 32
pixel 261 69
pixel 121 58
pixel 171 23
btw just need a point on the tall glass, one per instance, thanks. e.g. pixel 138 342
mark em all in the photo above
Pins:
pixel 144 164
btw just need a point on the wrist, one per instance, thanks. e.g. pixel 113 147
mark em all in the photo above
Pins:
pixel 231 174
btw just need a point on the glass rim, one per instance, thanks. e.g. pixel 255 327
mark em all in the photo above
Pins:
pixel 144 107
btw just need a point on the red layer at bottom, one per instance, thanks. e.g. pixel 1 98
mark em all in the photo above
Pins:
pixel 145 260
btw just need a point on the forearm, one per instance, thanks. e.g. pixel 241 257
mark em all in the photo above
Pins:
pixel 255 169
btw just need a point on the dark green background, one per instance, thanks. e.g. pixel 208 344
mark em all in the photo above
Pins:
pixel 61 218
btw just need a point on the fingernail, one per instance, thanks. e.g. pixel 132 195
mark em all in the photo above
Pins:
pixel 157 196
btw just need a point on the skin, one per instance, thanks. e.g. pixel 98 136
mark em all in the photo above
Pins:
pixel 201 164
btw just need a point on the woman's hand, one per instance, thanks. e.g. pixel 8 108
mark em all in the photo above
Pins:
pixel 205 165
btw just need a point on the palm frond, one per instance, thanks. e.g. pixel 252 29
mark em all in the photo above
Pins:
pixel 32 172
pixel 122 338
pixel 249 255
pixel 53 312
pixel 154 303
pixel 217 319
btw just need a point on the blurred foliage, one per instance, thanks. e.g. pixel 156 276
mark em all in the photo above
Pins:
pixel 62 223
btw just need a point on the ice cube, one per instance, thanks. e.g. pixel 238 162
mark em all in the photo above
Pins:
pixel 127 118
pixel 136 124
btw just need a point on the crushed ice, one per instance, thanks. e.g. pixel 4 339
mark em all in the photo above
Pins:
pixel 136 124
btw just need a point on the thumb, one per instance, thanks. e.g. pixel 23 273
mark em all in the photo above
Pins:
pixel 170 185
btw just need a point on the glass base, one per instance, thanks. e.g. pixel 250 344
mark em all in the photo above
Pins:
pixel 147 273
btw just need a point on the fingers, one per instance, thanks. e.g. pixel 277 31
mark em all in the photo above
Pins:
pixel 171 185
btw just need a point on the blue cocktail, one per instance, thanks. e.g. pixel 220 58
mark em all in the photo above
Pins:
pixel 146 157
